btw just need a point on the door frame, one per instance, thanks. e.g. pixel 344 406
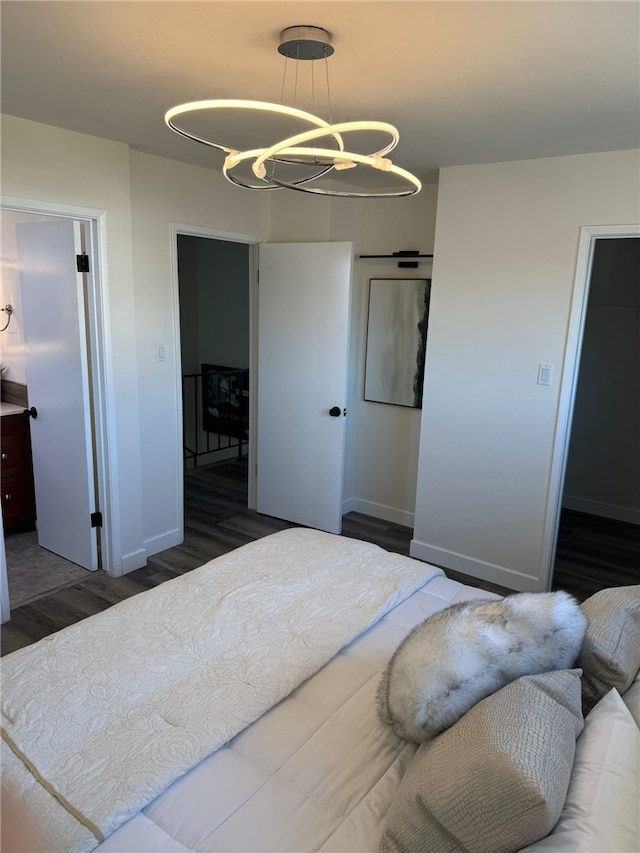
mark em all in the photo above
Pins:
pixel 99 351
pixel 569 383
pixel 252 241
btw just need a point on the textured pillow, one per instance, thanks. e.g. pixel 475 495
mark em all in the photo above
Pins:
pixel 610 654
pixel 467 651
pixel 602 809
pixel 632 699
pixel 495 781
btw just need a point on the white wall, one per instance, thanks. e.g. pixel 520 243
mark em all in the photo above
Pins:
pixel 12 339
pixel 142 196
pixel 47 164
pixel 382 441
pixel 381 454
pixel 164 192
pixel 505 257
pixel 384 444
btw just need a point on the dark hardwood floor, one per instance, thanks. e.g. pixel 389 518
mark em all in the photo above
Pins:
pixel 590 556
pixel 593 553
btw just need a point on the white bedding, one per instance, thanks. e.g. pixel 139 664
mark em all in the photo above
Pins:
pixel 316 773
pixel 103 716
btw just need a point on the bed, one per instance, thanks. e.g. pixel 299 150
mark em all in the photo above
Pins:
pixel 233 709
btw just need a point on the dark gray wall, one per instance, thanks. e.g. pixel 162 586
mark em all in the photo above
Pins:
pixel 603 470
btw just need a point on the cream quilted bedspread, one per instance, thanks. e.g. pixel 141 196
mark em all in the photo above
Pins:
pixel 107 713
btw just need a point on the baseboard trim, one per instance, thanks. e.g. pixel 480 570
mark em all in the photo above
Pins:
pixel 375 510
pixel 138 559
pixel 165 540
pixel 474 568
pixel 134 560
pixel 349 505
pixel 618 513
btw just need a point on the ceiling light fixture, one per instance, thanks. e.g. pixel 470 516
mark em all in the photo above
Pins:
pixel 269 164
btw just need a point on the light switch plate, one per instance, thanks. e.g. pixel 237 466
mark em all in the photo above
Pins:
pixel 545 373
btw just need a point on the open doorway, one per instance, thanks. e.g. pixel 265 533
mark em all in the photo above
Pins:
pixel 214 286
pixel 599 529
pixel 54 369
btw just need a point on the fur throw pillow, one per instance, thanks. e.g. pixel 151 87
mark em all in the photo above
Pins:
pixel 469 650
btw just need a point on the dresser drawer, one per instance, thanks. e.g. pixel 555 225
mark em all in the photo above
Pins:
pixel 16 468
pixel 15 454
pixel 10 424
pixel 17 497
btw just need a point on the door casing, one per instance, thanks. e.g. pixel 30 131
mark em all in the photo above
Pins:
pixel 103 413
pixel 569 384
pixel 252 241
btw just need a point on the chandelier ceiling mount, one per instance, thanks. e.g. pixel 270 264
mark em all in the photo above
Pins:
pixel 303 43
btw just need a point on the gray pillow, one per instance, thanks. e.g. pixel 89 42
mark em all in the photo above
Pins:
pixel 495 781
pixel 610 655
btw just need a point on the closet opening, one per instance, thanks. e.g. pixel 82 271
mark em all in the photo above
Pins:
pixel 598 543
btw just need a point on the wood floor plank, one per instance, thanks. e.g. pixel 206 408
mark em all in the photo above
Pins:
pixel 594 553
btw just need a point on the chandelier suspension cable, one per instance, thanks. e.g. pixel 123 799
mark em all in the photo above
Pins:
pixel 294 99
pixel 282 95
pixel 301 43
pixel 295 79
pixel 313 90
pixel 326 71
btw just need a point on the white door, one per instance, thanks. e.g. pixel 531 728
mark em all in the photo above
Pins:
pixel 56 366
pixel 304 296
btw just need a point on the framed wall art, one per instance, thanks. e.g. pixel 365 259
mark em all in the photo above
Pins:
pixel 396 340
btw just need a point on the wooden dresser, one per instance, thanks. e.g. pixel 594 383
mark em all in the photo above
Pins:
pixel 18 497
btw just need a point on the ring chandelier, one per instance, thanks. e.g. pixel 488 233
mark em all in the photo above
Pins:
pixel 301 43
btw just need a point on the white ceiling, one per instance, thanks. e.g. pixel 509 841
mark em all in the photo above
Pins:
pixel 464 82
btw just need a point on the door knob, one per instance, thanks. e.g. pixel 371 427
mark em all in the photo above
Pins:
pixel 32 412
pixel 335 412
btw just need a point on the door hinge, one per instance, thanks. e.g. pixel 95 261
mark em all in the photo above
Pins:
pixel 83 263
pixel 96 519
